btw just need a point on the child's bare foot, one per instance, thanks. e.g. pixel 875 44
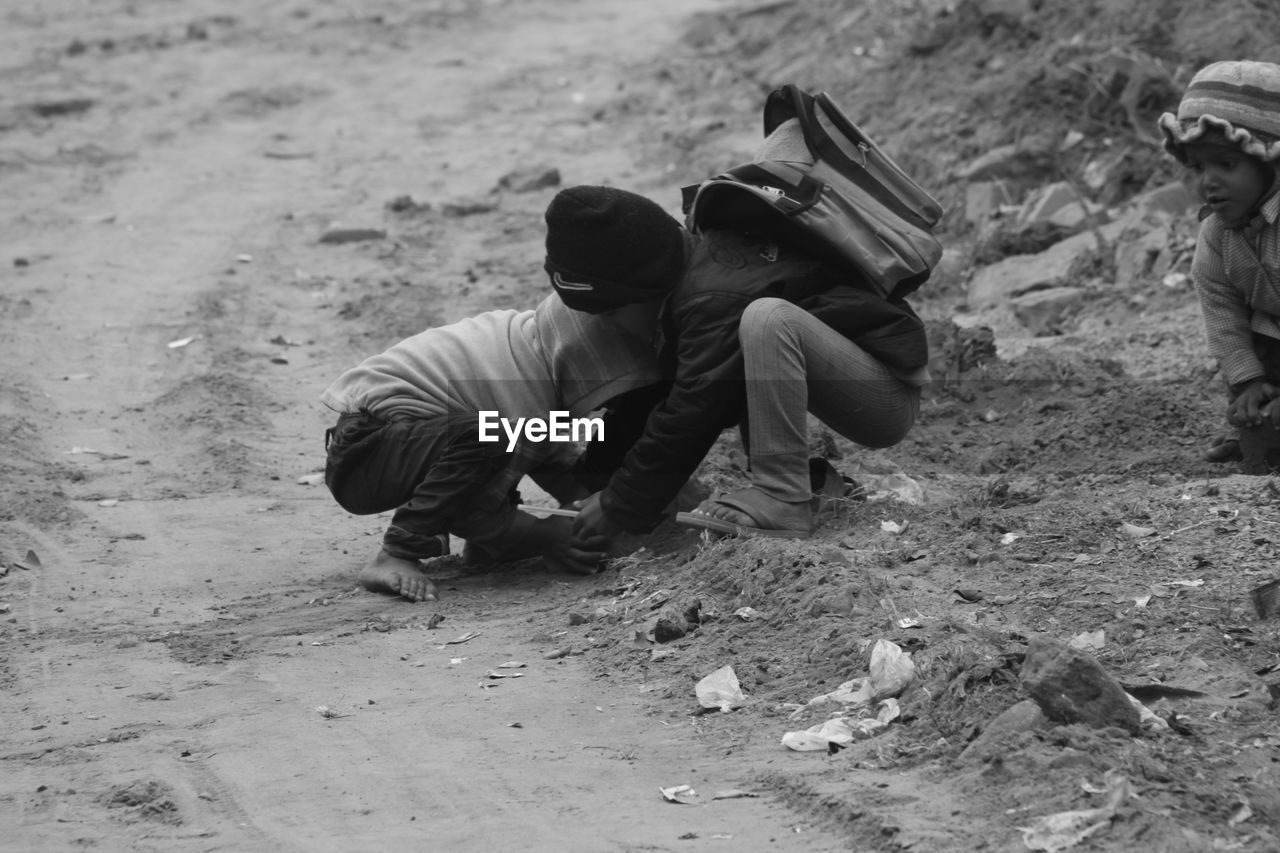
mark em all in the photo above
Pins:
pixel 398 576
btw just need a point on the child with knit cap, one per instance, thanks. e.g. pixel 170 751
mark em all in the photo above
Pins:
pixel 1227 132
pixel 408 434
pixel 757 335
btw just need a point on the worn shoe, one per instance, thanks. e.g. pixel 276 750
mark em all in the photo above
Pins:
pixel 747 502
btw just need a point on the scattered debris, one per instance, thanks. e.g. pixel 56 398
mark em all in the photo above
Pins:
pixel 1067 829
pixel 468 207
pixel 842 731
pixel 351 234
pixel 1089 641
pixel 721 690
pixel 1266 599
pixel 530 180
pixel 406 204
pixel 99 453
pixel 890 672
pixel 684 794
pixel 1133 531
pixel 330 714
pixel 733 794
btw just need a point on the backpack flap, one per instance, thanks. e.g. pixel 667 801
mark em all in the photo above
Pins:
pixel 785 189
pixel 836 221
pixel 767 199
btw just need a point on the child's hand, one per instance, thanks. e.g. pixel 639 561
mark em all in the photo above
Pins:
pixel 592 522
pixel 562 550
pixel 1246 410
pixel 1271 414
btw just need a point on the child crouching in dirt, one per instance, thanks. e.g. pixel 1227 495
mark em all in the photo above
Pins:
pixel 761 335
pixel 1227 132
pixel 409 430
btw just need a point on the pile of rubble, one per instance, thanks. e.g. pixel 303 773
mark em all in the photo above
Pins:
pixel 1047 255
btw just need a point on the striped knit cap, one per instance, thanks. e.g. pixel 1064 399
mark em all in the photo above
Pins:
pixel 1235 101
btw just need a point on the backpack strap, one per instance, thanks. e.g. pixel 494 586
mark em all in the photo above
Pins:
pixel 790 101
pixel 781 104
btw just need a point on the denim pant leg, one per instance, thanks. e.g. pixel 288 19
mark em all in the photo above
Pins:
pixel 796 364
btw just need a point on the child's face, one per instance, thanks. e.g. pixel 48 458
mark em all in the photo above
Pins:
pixel 1230 182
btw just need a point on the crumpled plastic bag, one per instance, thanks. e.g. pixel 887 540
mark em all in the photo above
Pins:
pixel 855 692
pixel 1064 830
pixel 683 794
pixel 891 669
pixel 721 690
pixel 894 485
pixel 842 731
pixel 1147 718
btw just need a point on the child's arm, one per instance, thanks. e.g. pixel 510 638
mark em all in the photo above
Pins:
pixel 552 538
pixel 1227 315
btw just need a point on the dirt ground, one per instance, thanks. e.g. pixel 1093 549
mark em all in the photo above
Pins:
pixel 211 209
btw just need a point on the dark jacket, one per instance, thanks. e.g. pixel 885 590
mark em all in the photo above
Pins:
pixel 725 273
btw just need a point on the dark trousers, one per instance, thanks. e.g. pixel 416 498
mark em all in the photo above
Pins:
pixel 431 471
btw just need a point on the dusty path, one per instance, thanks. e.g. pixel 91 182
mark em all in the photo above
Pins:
pixel 168 320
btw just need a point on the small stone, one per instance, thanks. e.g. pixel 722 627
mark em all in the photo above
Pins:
pixel 354 234
pixel 667 631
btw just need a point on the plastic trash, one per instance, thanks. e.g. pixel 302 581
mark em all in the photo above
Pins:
pixel 683 794
pixel 842 731
pixel 891 669
pixel 721 690
pixel 1067 829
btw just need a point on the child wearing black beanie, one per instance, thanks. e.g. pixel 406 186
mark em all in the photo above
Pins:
pixel 756 335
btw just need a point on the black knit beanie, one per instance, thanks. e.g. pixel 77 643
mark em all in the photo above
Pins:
pixel 607 247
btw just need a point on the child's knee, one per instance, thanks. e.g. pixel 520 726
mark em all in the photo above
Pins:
pixel 764 320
